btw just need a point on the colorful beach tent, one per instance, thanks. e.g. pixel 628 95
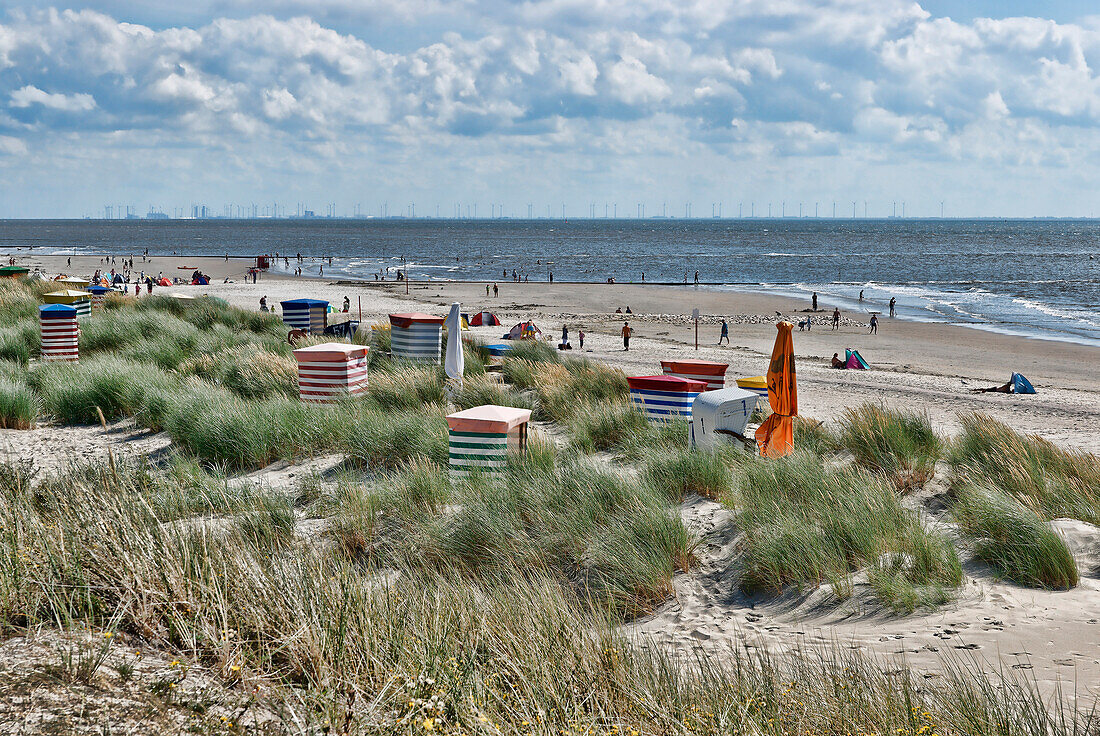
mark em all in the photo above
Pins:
pixel 1021 385
pixel 523 331
pixel 663 398
pixel 480 438
pixel 118 279
pixel 756 384
pixel 775 437
pixel 720 416
pixel 711 373
pixel 854 361
pixel 164 281
pixel 484 319
pixel 416 336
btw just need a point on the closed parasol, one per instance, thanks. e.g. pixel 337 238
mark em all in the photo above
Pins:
pixel 775 437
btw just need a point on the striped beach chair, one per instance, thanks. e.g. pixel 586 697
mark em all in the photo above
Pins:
pixel 416 336
pixel 81 301
pixel 711 373
pixel 664 398
pixel 59 332
pixel 99 295
pixel 481 438
pixel 310 315
pixel 330 371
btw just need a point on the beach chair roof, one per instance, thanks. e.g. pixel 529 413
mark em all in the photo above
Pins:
pixel 57 310
pixel 330 352
pixel 98 289
pixel 70 293
pixel 9 270
pixel 696 367
pixel 665 383
pixel 405 319
pixel 305 302
pixel 488 418
pixel 73 280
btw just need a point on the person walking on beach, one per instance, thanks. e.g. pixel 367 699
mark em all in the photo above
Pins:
pixel 486 290
pixel 874 325
pixel 836 318
pixel 580 338
pixel 347 305
pixel 551 276
pixel 893 304
pixel 813 301
pixel 697 277
pixel 725 333
pixel 495 292
pixel 626 335
pixel 564 335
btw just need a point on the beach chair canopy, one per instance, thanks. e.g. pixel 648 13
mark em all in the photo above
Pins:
pixel 488 418
pixel 407 319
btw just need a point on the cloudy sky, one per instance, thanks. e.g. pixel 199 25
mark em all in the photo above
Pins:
pixel 449 103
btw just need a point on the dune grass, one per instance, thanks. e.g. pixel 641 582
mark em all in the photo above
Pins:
pixel 1013 539
pixel 806 524
pixel 1051 481
pixel 513 648
pixel 19 404
pixel 680 473
pixel 482 390
pixel 899 444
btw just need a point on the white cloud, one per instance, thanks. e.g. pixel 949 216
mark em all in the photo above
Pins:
pixel 31 95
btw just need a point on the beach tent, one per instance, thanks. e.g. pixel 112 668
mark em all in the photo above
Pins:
pixel 481 438
pixel 164 281
pixel 72 282
pixel 118 279
pixel 1021 385
pixel 524 331
pixel 720 416
pixel 99 295
pixel 663 398
pixel 756 384
pixel 854 361
pixel 484 319
pixel 711 373
pixel 59 332
pixel 310 315
pixel 775 436
pixel 331 370
pixel 12 272
pixel 416 336
pixel 81 301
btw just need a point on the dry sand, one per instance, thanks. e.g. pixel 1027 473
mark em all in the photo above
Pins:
pixel 928 367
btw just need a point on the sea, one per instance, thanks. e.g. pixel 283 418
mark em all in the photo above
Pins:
pixel 1034 278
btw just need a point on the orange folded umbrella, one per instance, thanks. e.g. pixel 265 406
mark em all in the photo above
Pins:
pixel 775 437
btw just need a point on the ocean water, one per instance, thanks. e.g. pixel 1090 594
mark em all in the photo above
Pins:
pixel 1038 278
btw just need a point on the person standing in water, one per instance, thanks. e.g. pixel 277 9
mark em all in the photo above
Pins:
pixel 725 333
pixel 861 296
pixel 893 304
pixel 627 331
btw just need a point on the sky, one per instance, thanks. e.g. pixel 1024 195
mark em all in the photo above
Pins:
pixel 979 106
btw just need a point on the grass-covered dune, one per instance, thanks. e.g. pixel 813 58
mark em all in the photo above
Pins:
pixel 385 597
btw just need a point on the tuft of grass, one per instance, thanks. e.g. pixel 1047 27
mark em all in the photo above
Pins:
pixel 381 439
pixel 481 390
pixel 249 371
pixel 806 524
pixel 607 427
pixel 1013 540
pixel 74 392
pixel 408 386
pixel 814 436
pixel 19 342
pixel 1051 481
pixel 683 472
pixel 19 404
pixel 901 445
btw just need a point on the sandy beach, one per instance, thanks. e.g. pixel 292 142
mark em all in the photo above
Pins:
pixel 922 366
